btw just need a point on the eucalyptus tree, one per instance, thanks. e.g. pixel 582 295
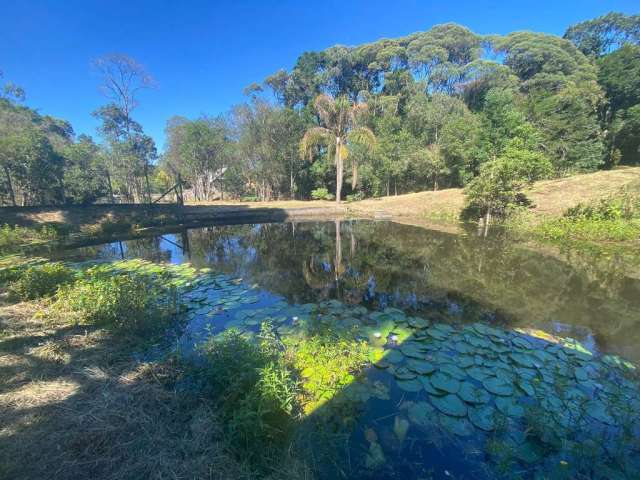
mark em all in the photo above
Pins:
pixel 122 80
pixel 340 124
pixel 601 35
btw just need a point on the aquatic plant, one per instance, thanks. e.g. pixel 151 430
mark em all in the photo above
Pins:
pixel 254 391
pixel 326 364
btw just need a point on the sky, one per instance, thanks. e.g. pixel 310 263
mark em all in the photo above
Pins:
pixel 203 53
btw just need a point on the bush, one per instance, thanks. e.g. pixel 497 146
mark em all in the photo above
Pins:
pixel 322 194
pixel 355 197
pixel 41 281
pixel 255 391
pixel 249 198
pixel 126 301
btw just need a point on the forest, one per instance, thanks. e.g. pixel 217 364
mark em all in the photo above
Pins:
pixel 436 109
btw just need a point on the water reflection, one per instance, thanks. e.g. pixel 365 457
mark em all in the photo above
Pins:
pixel 459 278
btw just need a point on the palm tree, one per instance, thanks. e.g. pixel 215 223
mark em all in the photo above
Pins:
pixel 339 119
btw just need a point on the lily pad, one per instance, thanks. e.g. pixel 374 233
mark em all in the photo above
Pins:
pixel 445 382
pixel 453 371
pixel 420 366
pixel 411 385
pixel 483 417
pixel 523 359
pixel 449 405
pixel 421 413
pixel 498 386
pixel 472 394
pixel 429 388
pixel 509 407
pixel 456 425
pixel 479 373
pixel 403 373
pixel 393 356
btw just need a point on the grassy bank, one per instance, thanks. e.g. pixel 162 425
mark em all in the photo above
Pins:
pixel 78 400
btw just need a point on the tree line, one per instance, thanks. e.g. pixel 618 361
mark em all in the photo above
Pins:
pixel 435 109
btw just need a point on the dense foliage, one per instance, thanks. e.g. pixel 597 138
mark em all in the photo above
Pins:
pixel 435 109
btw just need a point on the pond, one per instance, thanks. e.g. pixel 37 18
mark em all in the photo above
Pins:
pixel 490 358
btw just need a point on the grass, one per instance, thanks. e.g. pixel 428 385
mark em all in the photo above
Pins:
pixel 76 406
pixel 613 219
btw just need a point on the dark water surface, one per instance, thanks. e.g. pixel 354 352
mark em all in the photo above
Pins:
pixel 524 368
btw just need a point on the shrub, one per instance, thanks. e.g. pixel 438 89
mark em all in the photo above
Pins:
pixel 41 281
pixel 249 198
pixel 255 391
pixel 355 197
pixel 322 194
pixel 126 301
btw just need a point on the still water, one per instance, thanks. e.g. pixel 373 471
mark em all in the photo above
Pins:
pixel 500 360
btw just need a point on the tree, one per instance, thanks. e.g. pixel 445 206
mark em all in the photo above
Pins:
pixel 33 169
pixel 200 150
pixel 339 120
pixel 601 35
pixel 500 182
pixel 84 176
pixel 123 78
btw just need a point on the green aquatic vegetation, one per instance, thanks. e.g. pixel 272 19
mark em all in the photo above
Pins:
pixel 41 281
pixel 326 364
pixel 254 390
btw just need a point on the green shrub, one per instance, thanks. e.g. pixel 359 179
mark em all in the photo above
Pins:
pixel 322 194
pixel 255 392
pixel 41 281
pixel 355 197
pixel 249 198
pixel 132 302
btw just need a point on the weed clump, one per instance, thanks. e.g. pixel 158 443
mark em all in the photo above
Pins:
pixel 127 301
pixel 254 389
pixel 41 281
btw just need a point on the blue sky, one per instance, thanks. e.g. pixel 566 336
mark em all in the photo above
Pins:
pixel 203 53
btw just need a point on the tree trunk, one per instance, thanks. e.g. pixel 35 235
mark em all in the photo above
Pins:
pixel 292 185
pixel 354 175
pixel 339 168
pixel 113 200
pixel 10 185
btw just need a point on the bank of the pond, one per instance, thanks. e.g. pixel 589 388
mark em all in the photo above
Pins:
pixel 89 386
pixel 33 228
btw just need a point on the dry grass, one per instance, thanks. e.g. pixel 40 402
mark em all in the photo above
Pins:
pixel 553 197
pixel 74 404
pixel 549 197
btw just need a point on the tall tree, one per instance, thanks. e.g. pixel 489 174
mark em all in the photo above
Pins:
pixel 604 34
pixel 122 80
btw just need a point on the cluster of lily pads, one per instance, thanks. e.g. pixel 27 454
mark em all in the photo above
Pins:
pixel 544 402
